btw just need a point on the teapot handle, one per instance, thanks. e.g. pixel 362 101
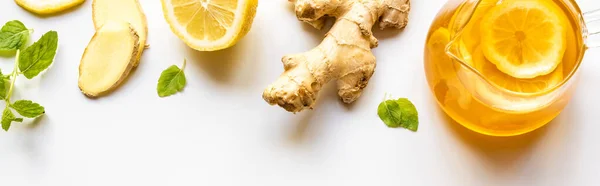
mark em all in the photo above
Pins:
pixel 592 31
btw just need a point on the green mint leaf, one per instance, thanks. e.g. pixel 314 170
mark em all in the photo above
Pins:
pixel 3 86
pixel 4 77
pixel 399 113
pixel 7 118
pixel 3 89
pixel 171 81
pixel 28 108
pixel 13 35
pixel 37 57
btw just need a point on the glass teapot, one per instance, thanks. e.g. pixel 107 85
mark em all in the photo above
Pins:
pixel 482 96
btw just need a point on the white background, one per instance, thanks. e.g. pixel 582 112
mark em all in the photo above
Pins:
pixel 219 131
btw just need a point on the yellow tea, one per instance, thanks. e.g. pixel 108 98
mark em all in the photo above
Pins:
pixel 502 67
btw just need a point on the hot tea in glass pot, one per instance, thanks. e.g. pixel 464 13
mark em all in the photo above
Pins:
pixel 507 67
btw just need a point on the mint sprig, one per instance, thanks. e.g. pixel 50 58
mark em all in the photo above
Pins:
pixel 29 62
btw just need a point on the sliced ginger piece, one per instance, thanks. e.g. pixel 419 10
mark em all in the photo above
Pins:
pixel 128 11
pixel 108 58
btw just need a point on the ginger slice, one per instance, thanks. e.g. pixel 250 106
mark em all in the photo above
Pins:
pixel 128 11
pixel 108 58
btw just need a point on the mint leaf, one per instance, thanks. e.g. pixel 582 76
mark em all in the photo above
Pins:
pixel 3 85
pixel 171 81
pixel 28 108
pixel 3 89
pixel 37 57
pixel 13 35
pixel 399 113
pixel 7 118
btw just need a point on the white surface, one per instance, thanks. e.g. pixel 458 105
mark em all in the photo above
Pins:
pixel 219 131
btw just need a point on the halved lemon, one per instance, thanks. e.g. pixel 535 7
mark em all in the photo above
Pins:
pixel 47 6
pixel 524 38
pixel 208 25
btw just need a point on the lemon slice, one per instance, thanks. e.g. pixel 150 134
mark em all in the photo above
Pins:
pixel 501 79
pixel 208 25
pixel 524 38
pixel 47 6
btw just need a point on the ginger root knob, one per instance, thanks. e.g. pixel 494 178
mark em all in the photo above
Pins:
pixel 343 55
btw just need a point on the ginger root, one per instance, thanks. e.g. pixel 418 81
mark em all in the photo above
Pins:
pixel 343 55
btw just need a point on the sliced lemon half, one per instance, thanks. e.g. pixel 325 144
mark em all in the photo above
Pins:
pixel 208 25
pixel 524 38
pixel 47 6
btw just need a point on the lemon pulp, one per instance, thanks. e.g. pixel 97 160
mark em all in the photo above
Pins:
pixel 209 24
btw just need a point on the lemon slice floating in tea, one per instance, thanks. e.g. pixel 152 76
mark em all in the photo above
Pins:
pixel 209 25
pixel 524 38
pixel 495 76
